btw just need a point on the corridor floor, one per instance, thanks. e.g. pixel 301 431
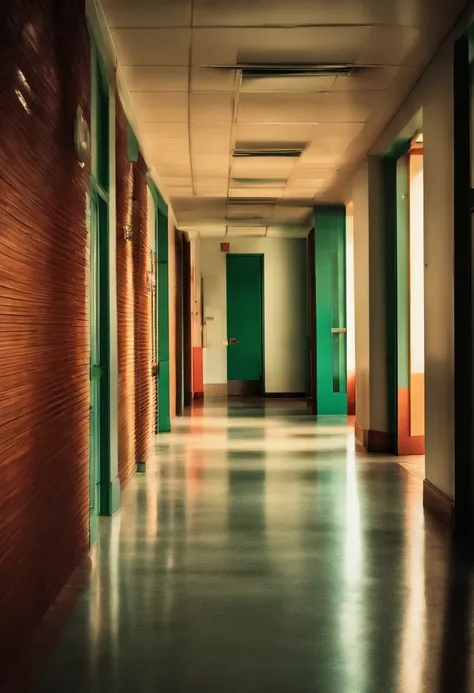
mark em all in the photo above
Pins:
pixel 261 554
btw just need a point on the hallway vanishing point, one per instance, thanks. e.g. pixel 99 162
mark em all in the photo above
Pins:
pixel 260 553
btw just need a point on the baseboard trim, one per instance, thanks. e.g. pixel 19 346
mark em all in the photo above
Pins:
pixel 411 445
pixel 372 441
pixel 438 504
pixel 285 395
pixel 215 390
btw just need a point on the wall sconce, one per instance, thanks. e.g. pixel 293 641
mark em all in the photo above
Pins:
pixel 127 232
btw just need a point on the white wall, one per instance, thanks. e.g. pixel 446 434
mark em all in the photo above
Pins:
pixel 430 106
pixel 285 310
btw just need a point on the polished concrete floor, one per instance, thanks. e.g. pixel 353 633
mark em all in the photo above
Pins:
pixel 261 554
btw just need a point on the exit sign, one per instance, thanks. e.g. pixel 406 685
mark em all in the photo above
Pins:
pixel 225 247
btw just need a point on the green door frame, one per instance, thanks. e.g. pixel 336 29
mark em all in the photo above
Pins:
pixel 103 139
pixel 330 306
pixel 397 287
pixel 163 322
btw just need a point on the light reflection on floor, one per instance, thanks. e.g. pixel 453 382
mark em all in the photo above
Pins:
pixel 261 554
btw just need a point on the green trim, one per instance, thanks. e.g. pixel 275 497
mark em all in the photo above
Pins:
pixel 398 149
pixel 389 167
pixel 403 276
pixel 396 222
pixel 141 467
pixel 330 305
pixel 159 201
pixel 164 419
pixel 101 180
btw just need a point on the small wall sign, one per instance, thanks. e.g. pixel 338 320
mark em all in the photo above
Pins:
pixel 225 247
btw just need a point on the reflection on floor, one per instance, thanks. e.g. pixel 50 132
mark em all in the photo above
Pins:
pixel 261 554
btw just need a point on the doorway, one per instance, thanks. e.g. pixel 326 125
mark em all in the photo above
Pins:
pixel 98 440
pixel 245 324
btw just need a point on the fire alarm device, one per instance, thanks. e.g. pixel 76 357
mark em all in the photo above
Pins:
pixel 225 247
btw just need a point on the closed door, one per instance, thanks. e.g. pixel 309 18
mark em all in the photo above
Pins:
pixel 330 306
pixel 95 367
pixel 245 324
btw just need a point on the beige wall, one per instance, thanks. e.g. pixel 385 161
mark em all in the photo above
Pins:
pixel 430 105
pixel 361 294
pixel 369 290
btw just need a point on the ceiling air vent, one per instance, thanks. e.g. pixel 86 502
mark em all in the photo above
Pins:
pixel 293 151
pixel 259 182
pixel 266 70
pixel 278 70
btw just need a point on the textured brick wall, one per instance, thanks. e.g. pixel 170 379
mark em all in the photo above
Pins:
pixel 44 350
pixel 135 386
pixel 125 304
pixel 142 289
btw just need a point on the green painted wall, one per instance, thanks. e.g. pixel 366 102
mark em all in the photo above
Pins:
pixel 102 187
pixel 164 420
pixel 331 346
pixel 245 316
pixel 403 277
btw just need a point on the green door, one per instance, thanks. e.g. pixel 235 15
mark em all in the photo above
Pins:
pixel 245 324
pixel 331 328
pixel 95 365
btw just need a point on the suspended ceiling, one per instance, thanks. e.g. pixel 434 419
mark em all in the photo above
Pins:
pixel 191 116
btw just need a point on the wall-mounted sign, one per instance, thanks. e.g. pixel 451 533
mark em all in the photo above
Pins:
pixel 225 247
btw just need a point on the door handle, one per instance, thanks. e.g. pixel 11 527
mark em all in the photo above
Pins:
pixel 339 330
pixel 232 341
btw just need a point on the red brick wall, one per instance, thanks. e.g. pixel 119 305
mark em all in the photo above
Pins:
pixel 125 304
pixel 135 384
pixel 142 286
pixel 44 351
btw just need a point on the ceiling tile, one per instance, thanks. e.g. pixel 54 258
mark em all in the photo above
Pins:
pixel 152 129
pixel 179 191
pixel 158 106
pixel 282 12
pixel 262 168
pixel 204 79
pixel 307 44
pixel 207 107
pixel 154 78
pixel 164 144
pixel 152 46
pixel 207 231
pixel 234 231
pixel 371 79
pixel 256 192
pixel 173 158
pixel 308 108
pixel 288 84
pixel 147 13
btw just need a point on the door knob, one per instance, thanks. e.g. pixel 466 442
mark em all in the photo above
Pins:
pixel 232 340
pixel 339 330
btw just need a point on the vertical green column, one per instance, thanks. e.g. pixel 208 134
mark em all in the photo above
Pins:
pixel 164 421
pixel 403 278
pixel 331 337
pixel 102 182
